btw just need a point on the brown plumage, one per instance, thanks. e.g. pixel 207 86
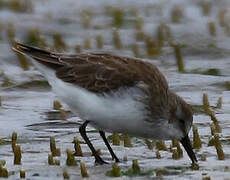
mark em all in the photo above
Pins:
pixel 165 116
pixel 104 72
pixel 98 72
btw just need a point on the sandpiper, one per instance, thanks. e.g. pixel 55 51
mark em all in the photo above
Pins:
pixel 115 94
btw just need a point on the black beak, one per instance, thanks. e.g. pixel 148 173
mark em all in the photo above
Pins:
pixel 185 141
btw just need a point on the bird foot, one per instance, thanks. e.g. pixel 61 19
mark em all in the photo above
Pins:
pixel 117 160
pixel 99 161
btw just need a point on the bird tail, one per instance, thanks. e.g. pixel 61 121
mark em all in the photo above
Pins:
pixel 42 56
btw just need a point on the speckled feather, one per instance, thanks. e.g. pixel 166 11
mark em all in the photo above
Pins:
pixel 116 94
pixel 103 72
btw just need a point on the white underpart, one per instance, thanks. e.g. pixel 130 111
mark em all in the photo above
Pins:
pixel 117 113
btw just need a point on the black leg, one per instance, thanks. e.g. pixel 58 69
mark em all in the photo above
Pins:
pixel 102 133
pixel 82 131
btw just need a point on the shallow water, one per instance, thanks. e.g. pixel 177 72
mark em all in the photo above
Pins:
pixel 27 104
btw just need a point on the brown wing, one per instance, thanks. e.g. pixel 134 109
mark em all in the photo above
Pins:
pixel 98 72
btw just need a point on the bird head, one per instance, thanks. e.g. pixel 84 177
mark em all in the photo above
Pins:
pixel 182 118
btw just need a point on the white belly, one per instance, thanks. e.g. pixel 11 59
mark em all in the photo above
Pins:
pixel 117 113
